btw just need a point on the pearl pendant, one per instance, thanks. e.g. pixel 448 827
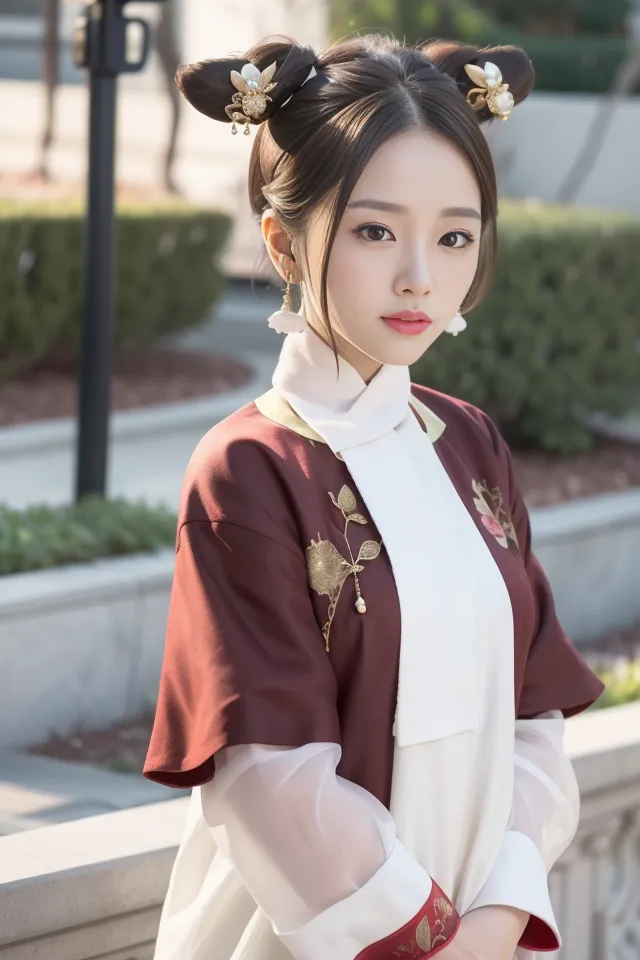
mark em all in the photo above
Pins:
pixel 361 606
pixel 286 321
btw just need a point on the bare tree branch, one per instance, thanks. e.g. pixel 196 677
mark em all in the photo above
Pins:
pixel 166 44
pixel 50 75
pixel 625 82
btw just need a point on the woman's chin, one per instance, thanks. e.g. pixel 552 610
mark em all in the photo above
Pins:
pixel 403 350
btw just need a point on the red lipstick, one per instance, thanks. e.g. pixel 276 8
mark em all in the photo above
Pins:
pixel 410 322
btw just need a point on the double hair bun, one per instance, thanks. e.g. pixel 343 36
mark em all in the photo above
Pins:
pixel 249 90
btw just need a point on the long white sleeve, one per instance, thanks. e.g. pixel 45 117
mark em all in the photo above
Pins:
pixel 544 819
pixel 318 853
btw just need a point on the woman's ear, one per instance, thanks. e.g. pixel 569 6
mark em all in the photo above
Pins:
pixel 278 246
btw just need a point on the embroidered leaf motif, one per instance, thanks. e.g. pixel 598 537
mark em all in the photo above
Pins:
pixel 346 501
pixel 369 550
pixel 327 569
pixel 423 935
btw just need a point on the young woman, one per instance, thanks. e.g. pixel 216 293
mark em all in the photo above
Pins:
pixel 364 681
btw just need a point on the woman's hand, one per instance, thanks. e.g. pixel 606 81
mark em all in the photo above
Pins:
pixel 488 933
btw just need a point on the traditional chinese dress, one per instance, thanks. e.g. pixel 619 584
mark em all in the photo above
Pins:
pixel 364 650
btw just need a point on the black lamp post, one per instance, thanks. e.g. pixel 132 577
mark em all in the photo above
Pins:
pixel 100 45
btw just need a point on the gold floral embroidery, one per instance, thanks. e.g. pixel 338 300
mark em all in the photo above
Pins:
pixel 328 569
pixel 495 518
pixel 443 911
pixel 426 939
pixel 423 935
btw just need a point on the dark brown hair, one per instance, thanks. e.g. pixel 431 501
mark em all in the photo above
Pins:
pixel 314 141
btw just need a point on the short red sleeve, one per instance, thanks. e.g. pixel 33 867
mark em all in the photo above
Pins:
pixel 244 658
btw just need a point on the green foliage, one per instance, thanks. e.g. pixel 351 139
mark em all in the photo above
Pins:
pixel 622 684
pixel 558 333
pixel 560 17
pixel 571 64
pixel 167 276
pixel 409 19
pixel 41 536
pixel 564 62
pixel 468 20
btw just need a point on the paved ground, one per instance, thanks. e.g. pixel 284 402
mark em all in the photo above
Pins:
pixel 38 792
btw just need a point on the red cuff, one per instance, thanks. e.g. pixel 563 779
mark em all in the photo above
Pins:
pixel 538 936
pixel 432 928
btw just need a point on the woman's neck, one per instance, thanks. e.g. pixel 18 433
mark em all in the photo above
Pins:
pixel 364 365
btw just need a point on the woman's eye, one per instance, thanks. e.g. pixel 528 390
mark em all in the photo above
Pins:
pixel 373 232
pixel 451 239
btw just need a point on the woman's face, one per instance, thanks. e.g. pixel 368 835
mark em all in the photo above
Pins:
pixel 408 241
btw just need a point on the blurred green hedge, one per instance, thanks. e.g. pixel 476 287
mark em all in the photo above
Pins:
pixel 583 64
pixel 41 537
pixel 167 276
pixel 558 334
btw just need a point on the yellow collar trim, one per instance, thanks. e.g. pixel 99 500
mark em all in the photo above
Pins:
pixel 273 406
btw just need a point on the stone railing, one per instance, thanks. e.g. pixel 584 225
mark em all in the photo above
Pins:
pixel 94 888
pixel 596 885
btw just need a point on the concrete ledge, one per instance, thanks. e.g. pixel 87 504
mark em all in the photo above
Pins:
pixel 100 882
pixel 84 583
pixel 590 550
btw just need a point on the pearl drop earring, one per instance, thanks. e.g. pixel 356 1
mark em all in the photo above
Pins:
pixel 286 320
pixel 457 325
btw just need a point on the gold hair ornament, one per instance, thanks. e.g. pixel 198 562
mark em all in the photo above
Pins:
pixel 250 102
pixel 491 92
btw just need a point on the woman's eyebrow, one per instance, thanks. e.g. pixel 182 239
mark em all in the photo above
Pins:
pixel 399 208
pixel 461 212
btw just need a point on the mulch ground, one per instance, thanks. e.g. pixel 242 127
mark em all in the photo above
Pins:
pixel 545 479
pixel 140 379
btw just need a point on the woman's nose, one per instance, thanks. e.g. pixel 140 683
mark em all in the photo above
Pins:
pixel 415 278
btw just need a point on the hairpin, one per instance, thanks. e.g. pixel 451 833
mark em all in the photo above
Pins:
pixel 251 100
pixel 491 92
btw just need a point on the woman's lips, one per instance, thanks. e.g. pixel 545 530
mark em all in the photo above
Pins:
pixel 409 322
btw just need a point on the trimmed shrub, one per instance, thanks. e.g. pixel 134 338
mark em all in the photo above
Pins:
pixel 41 537
pixel 167 276
pixel 556 17
pixel 559 333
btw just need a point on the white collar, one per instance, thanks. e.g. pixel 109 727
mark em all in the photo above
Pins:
pixel 400 477
pixel 344 409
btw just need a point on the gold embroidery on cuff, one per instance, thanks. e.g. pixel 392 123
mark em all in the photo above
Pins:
pixel 328 569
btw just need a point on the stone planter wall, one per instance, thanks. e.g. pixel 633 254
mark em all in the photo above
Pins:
pixel 590 550
pixel 81 646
